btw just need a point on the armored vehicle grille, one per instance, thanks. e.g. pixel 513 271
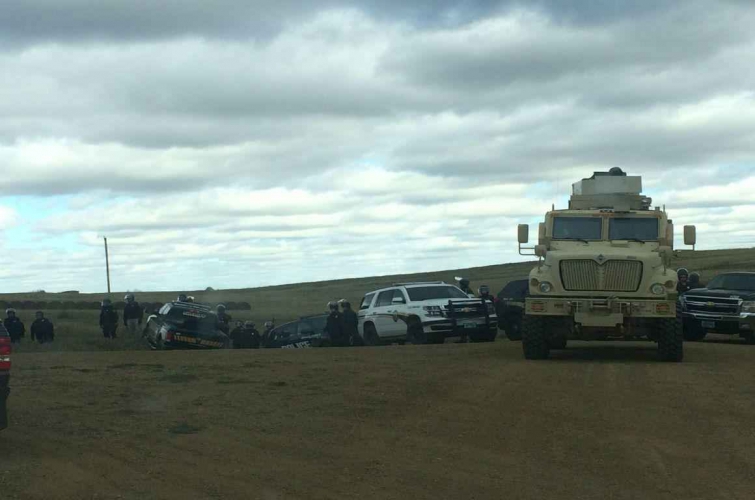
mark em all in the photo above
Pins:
pixel 582 275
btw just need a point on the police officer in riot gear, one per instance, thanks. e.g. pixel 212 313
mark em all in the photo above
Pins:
pixel 465 286
pixel 334 326
pixel 350 323
pixel 182 298
pixel 683 284
pixel 484 293
pixel 42 330
pixel 108 319
pixel 224 319
pixel 133 314
pixel 14 325
pixel 694 281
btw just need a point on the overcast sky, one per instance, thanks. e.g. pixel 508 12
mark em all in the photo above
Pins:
pixel 238 143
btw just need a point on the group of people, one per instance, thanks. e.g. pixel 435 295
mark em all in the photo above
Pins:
pixel 687 280
pixel 342 325
pixel 42 329
pixel 133 316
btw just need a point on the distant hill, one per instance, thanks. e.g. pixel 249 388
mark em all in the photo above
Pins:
pixel 289 301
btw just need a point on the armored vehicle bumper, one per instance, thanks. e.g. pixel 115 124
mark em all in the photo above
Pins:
pixel 600 312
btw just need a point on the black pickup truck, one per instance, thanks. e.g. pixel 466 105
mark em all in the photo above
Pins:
pixel 5 348
pixel 726 305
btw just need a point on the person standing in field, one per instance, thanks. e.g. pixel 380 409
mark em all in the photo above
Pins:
pixel 133 314
pixel 224 319
pixel 350 324
pixel 108 319
pixel 14 325
pixel 42 329
pixel 334 326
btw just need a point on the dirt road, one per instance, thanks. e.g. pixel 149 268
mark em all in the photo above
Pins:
pixel 602 420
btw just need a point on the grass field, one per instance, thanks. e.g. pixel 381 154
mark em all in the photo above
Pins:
pixel 78 330
pixel 601 420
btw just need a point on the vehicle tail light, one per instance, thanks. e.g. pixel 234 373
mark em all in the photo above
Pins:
pixel 662 308
pixel 5 349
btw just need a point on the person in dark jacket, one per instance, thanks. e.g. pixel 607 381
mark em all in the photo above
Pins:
pixel 245 336
pixel 334 327
pixel 683 284
pixel 694 281
pixel 350 324
pixel 42 330
pixel 133 314
pixel 465 286
pixel 108 319
pixel 14 325
pixel 224 319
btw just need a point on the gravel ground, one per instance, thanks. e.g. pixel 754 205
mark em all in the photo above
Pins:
pixel 598 421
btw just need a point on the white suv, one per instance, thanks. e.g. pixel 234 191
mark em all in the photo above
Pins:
pixel 425 312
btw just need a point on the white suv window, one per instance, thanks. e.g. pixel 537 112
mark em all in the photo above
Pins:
pixel 385 298
pixel 420 293
pixel 367 301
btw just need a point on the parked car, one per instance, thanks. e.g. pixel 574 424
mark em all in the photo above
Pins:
pixel 726 305
pixel 423 313
pixel 5 350
pixel 308 331
pixel 510 308
pixel 184 325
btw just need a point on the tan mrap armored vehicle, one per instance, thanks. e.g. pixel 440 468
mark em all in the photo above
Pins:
pixel 604 270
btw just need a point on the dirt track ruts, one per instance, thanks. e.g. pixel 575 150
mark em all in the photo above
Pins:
pixel 600 420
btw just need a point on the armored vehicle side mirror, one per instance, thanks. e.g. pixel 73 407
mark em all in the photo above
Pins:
pixel 690 235
pixel 523 233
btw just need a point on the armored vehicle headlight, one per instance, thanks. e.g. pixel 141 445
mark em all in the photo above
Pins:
pixel 748 306
pixel 545 287
pixel 658 289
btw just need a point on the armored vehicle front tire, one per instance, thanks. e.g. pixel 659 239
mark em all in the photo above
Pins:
pixel 670 335
pixel 535 337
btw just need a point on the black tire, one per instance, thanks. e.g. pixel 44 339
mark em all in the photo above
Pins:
pixel 557 342
pixel 370 335
pixel 513 328
pixel 535 337
pixel 749 338
pixel 693 331
pixel 670 335
pixel 415 334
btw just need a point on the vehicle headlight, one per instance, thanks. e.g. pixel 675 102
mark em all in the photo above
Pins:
pixel 658 289
pixel 545 287
pixel 433 310
pixel 748 306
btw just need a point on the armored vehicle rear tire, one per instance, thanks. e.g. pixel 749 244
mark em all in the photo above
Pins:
pixel 535 338
pixel 670 337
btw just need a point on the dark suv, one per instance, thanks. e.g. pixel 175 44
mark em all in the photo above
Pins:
pixel 184 325
pixel 5 348
pixel 726 305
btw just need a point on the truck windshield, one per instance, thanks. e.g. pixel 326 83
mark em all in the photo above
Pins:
pixel 733 282
pixel 628 228
pixel 577 228
pixel 419 294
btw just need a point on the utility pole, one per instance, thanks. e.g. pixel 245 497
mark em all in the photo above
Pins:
pixel 107 266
